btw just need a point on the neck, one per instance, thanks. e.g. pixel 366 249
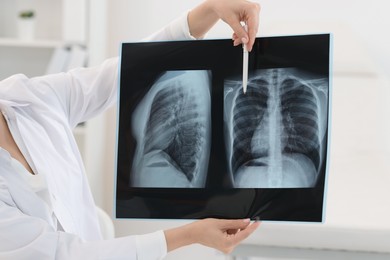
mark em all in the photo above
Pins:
pixel 3 131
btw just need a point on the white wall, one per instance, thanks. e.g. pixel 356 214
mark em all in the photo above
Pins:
pixel 133 20
pixel 368 19
pixel 353 22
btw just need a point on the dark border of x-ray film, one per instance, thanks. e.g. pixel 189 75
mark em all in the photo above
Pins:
pixel 142 64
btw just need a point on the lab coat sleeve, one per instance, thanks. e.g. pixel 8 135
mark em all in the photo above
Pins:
pixel 81 93
pixel 26 237
pixel 86 92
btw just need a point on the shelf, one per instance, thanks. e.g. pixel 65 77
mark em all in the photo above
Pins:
pixel 14 42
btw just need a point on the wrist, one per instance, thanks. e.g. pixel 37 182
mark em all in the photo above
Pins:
pixel 181 236
pixel 202 18
pixel 213 6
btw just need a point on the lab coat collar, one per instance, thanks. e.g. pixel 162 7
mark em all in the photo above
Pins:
pixel 9 109
pixel 12 103
pixel 7 106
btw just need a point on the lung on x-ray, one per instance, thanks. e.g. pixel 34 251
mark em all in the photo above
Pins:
pixel 274 132
pixel 191 144
pixel 172 127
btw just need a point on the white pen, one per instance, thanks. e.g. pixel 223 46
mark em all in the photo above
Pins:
pixel 244 64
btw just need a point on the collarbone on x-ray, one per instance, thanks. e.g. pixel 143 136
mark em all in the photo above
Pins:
pixel 276 130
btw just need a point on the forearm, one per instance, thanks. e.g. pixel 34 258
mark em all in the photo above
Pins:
pixel 179 237
pixel 201 19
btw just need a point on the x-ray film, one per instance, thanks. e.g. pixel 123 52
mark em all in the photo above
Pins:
pixel 191 144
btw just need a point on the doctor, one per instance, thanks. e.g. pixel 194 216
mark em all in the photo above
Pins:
pixel 46 207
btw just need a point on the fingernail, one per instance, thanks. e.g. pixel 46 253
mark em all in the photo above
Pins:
pixel 247 220
pixel 244 40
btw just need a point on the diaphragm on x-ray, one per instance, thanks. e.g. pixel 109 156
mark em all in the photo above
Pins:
pixel 192 145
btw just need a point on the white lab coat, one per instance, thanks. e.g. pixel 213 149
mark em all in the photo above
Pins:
pixel 41 113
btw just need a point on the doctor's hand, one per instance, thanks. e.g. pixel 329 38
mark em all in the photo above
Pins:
pixel 232 12
pixel 223 235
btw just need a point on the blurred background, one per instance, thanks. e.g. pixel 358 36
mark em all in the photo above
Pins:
pixel 38 37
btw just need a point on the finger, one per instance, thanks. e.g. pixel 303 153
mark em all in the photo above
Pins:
pixel 253 27
pixel 232 231
pixel 244 233
pixel 240 32
pixel 235 39
pixel 235 224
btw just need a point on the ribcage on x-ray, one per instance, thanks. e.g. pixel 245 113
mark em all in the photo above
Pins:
pixel 275 129
pixel 175 127
pixel 300 120
pixel 249 111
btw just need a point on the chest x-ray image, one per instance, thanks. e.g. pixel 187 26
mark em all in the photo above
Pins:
pixel 172 128
pixel 191 144
pixel 274 132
